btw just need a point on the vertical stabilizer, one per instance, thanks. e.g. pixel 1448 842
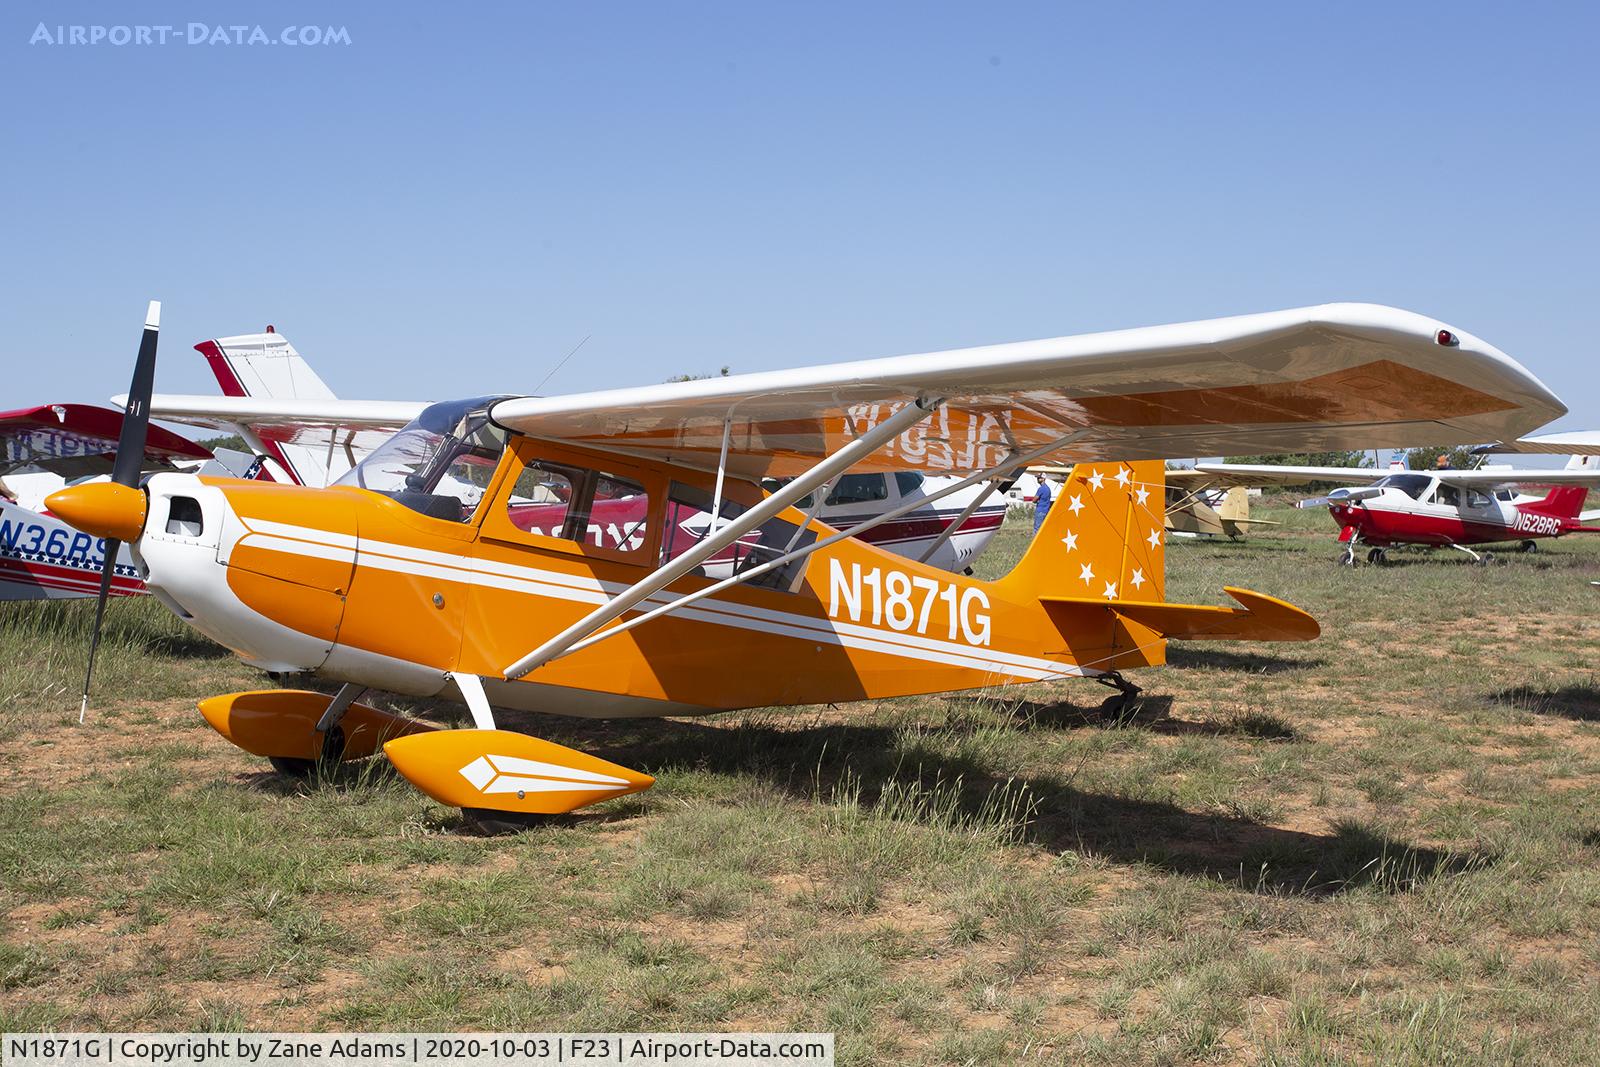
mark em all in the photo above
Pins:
pixel 266 365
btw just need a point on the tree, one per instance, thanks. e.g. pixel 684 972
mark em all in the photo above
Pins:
pixel 232 440
pixel 723 373
pixel 1308 459
pixel 1426 459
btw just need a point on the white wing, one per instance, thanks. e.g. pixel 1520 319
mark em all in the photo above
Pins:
pixel 339 432
pixel 1271 474
pixel 1311 379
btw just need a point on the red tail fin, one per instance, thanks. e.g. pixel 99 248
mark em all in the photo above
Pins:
pixel 1562 502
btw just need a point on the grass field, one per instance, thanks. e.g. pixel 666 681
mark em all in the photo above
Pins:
pixel 1382 846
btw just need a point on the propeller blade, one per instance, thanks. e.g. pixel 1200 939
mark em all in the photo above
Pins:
pixel 125 470
pixel 99 616
pixel 136 421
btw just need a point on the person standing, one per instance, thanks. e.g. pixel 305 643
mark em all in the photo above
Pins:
pixel 1041 502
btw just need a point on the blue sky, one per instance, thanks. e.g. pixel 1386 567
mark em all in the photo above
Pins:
pixel 449 203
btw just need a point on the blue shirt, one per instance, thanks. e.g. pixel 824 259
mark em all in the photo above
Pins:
pixel 1041 504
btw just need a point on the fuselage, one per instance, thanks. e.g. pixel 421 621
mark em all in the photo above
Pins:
pixel 353 585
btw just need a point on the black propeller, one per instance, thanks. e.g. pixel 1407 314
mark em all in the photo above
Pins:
pixel 125 469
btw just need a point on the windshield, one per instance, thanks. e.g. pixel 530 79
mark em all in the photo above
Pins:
pixel 440 464
pixel 1412 485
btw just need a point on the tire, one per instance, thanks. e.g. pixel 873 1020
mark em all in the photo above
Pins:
pixel 492 823
pixel 293 767
pixel 1377 556
pixel 306 769
pixel 1529 546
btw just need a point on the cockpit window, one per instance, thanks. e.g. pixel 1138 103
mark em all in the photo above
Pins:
pixel 440 464
pixel 1412 485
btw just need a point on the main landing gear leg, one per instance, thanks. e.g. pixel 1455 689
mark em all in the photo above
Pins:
pixel 333 738
pixel 1482 560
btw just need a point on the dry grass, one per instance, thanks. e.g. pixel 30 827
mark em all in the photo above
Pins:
pixel 1378 847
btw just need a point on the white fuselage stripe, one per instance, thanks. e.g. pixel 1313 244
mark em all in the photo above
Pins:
pixel 306 541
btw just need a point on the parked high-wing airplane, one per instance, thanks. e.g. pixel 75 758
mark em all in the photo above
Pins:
pixel 1439 508
pixel 416 575
pixel 41 557
pixel 948 530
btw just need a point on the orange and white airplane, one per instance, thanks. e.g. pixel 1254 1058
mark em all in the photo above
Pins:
pixel 423 578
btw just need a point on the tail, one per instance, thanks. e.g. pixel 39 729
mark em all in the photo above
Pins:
pixel 1097 565
pixel 1561 502
pixel 266 365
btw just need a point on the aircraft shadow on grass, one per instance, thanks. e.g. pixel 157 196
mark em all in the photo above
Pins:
pixel 808 762
pixel 811 762
pixel 1578 702
pixel 1242 662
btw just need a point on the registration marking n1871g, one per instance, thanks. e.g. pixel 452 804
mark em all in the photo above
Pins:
pixel 908 602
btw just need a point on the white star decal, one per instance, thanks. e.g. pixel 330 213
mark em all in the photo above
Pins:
pixel 1122 477
pixel 1096 479
pixel 1086 573
pixel 1071 540
pixel 1076 505
pixel 1111 590
pixel 1141 494
pixel 1138 578
pixel 1154 538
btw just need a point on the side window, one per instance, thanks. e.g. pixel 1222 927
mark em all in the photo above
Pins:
pixel 859 489
pixel 591 507
pixel 908 481
pixel 539 502
pixel 689 521
pixel 1448 495
pixel 1476 499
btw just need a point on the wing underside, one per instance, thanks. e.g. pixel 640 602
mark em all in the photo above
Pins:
pixel 1311 379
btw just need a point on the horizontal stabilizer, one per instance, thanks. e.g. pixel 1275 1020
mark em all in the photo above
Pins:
pixel 1261 617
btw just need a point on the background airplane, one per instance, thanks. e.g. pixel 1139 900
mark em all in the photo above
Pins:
pixel 1383 509
pixel 41 449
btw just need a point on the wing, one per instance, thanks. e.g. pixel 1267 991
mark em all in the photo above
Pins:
pixel 1271 474
pixel 1570 443
pixel 344 430
pixel 1336 376
pixel 1496 477
pixel 78 440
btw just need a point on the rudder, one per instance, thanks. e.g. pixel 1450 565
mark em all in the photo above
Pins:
pixel 1104 536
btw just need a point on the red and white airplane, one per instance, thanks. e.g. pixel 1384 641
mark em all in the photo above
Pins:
pixel 1458 509
pixel 305 435
pixel 41 449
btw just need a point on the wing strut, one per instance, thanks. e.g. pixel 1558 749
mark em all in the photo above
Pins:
pixel 961 519
pixel 993 473
pixel 669 572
